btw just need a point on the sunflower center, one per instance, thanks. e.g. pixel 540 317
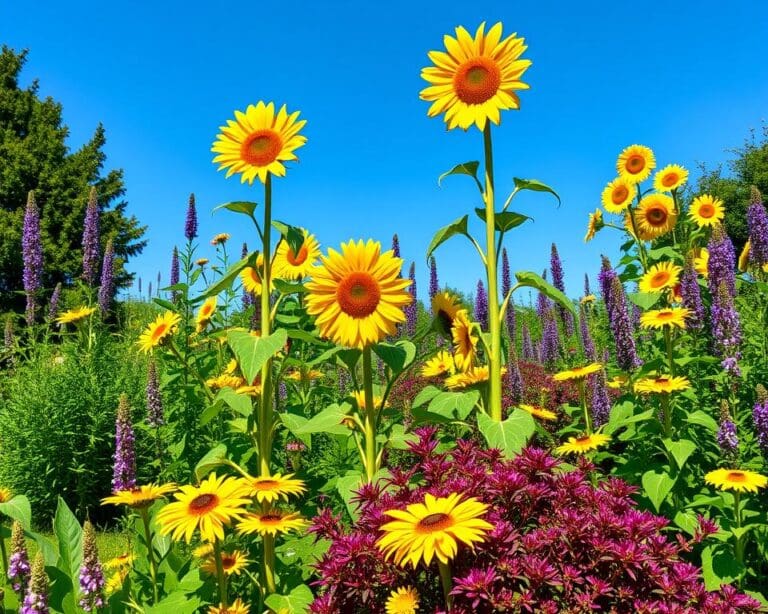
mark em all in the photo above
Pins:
pixel 159 331
pixel 261 148
pixel 202 504
pixel 434 522
pixel 656 216
pixel 228 561
pixel 266 484
pixel 635 163
pixel 620 194
pixel 670 179
pixel 271 519
pixel 477 80
pixel 736 476
pixel 659 279
pixel 584 439
pixel 706 211
pixel 665 315
pixel 662 381
pixel 297 260
pixel 358 295
pixel 446 321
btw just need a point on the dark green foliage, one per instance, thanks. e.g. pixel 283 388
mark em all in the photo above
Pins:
pixel 35 156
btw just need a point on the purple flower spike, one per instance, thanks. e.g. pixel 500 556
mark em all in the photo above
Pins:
pixel 621 327
pixel 107 287
pixel 19 569
pixel 124 469
pixel 506 285
pixel 395 246
pixel 587 290
pixel 757 222
pixel 434 286
pixel 588 345
pixel 528 352
pixel 190 224
pixel 727 437
pixel 412 309
pixel 691 295
pixel 514 379
pixel 155 416
pixel 722 262
pixel 32 254
pixel 481 306
pixel 600 401
pixel 36 597
pixel 550 340
pixel 53 305
pixel 91 573
pixel 760 419
pixel 726 329
pixel 91 240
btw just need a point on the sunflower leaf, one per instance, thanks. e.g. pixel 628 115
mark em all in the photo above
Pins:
pixel 215 457
pixel 505 220
pixel 536 186
pixel 458 227
pixel 226 280
pixel 252 352
pixel 656 487
pixel 292 235
pixel 239 206
pixel 18 508
pixel 397 356
pixel 532 280
pixel 465 168
pixel 644 300
pixel 509 435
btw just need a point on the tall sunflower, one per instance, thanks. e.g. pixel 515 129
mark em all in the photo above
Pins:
pixel 475 79
pixel 669 178
pixel 271 523
pixel 659 318
pixel 290 265
pixel 358 295
pixel 159 331
pixel 660 277
pixel 655 216
pixel 618 194
pixel 706 210
pixel 465 338
pixel 594 225
pixel 205 313
pixel 445 306
pixel 258 142
pixel 635 163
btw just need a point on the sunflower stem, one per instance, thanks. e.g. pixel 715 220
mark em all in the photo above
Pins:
pixel 445 580
pixel 494 321
pixel 670 348
pixel 370 416
pixel 583 401
pixel 265 401
pixel 268 572
pixel 222 579
pixel 150 552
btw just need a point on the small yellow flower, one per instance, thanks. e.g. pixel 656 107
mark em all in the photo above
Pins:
pixel 539 412
pixel 577 373
pixel 635 163
pixel 225 381
pixel 588 299
pixel 115 582
pixel 594 225
pixel 205 314
pixel 251 277
pixel 75 315
pixel 139 497
pixel 288 265
pixel 706 210
pixel 271 523
pixel 660 277
pixel 236 607
pixel 618 194
pixel 271 488
pixel 583 444
pixel 203 550
pixel 159 331
pixel 659 318
pixel 123 561
pixel 5 494
pixel 232 562
pixel 669 178
pixel 404 600
pixel 359 396
pixel 465 339
pixel 440 364
pixel 744 257
pixel 465 379
pixel 201 262
pixel 220 239
pixel 701 262
pixel 617 382
pixel 736 479
pixel 662 384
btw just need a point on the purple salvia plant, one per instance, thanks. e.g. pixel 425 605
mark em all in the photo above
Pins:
pixel 434 285
pixel 190 223
pixel 149 291
pixel 155 415
pixel 481 306
pixel 722 262
pixel 587 344
pixel 506 286
pixel 247 296
pixel 32 254
pixel 53 304
pixel 412 309
pixel 760 419
pixel 600 402
pixel 91 572
pixel 757 222
pixel 36 596
pixel 726 330
pixel 621 327
pixel 107 287
pixel 124 468
pixel 605 279
pixel 513 378
pixel 19 569
pixel 91 240
pixel 175 274
pixel 691 295
pixel 727 437
pixel 395 246
pixel 527 343
pixel 550 340
pixel 558 281
pixel 587 290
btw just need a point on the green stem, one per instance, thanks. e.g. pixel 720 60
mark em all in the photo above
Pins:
pixel 150 552
pixel 268 571
pixel 4 556
pixel 265 401
pixel 494 320
pixel 445 580
pixel 222 579
pixel 739 548
pixel 640 245
pixel 670 347
pixel 369 422
pixel 666 407
pixel 583 400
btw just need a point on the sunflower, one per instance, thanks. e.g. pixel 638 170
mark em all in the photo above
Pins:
pixel 583 444
pixel 475 78
pixel 233 563
pixel 744 257
pixel 445 306
pixel 655 216
pixel 115 582
pixel 577 373
pixel 617 382
pixel 539 412
pixel 123 561
pixel 205 314
pixel 142 496
pixel 465 340
pixel 75 315
pixel 251 277
pixel 670 178
pixel 297 375
pixel 433 528
pixel 220 239
pixel 660 277
pixel 594 225
pixel 5 495
pixel 271 488
pixel 289 265
pixel 440 364
pixel 271 523
pixel 258 142
pixel 588 299
pixel 225 381
pixel 618 194
pixel 701 261
pixel 207 508
pixel 236 607
pixel 250 391
pixel 662 384
pixel 203 551
pixel 659 318
pixel 359 396
pixel 635 163
pixel 465 379
pixel 201 262
pixel 404 600
pixel 706 210
pixel 358 295
pixel 736 479
pixel 159 331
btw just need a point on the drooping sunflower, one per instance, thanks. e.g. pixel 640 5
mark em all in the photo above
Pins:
pixel 655 216
pixel 662 384
pixel 75 315
pixel 205 313
pixel 577 373
pixel 122 561
pixel 659 318
pixel 465 338
pixel 440 364
pixel 744 257
pixel 465 379
pixel 271 488
pixel 5 494
pixel 217 502
pixel 594 225
pixel 225 380
pixel 258 142
pixel 736 479
pixel 660 277
pixel 251 277
pixel 635 163
pixel 404 600
pixel 139 497
pixel 359 396
pixel 583 444
pixel 358 295
pixel 618 194
pixel 159 331
pixel 475 78
pixel 115 582
pixel 232 562
pixel 236 607
pixel 669 178
pixel 445 306
pixel 701 262
pixel 706 210
pixel 288 265
pixel 538 411
pixel 271 523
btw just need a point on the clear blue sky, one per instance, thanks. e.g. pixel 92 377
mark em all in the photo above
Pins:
pixel 688 79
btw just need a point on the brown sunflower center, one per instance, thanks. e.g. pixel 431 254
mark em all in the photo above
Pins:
pixel 207 310
pixel 656 216
pixel 584 439
pixel 706 210
pixel 659 279
pixel 665 315
pixel 261 148
pixel 662 381
pixel 736 476
pixel 271 519
pixel 620 194
pixel 202 504
pixel 358 294
pixel 159 331
pixel 434 522
pixel 670 179
pixel 635 163
pixel 297 259
pixel 477 80
pixel 266 484
pixel 228 561
pixel 444 319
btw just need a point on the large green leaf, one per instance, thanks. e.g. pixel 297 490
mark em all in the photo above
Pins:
pixel 397 356
pixel 399 439
pixel 292 235
pixel 69 536
pixel 504 220
pixel 253 352
pixel 294 424
pixel 457 227
pixel 328 421
pixel 454 405
pixel 426 394
pixel 214 458
pixel 465 168
pixel 680 450
pixel 535 185
pixel 177 602
pixel 239 206
pixel 241 403
pixel 645 300
pixel 296 602
pixel 510 435
pixel 532 280
pixel 288 287
pixel 226 280
pixel 18 508
pixel 703 419
pixel 718 566
pixel 656 487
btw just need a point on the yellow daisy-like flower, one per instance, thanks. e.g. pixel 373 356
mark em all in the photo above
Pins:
pixel 141 496
pixel 236 607
pixel 205 313
pixel 159 331
pixel 271 523
pixel 75 315
pixel 617 381
pixel 233 563
pixel 660 277
pixel 583 444
pixel 121 562
pixel 635 163
pixel 662 384
pixel 259 142
pixel 250 391
pixel 225 381
pixel 404 600
pixel 659 318
pixel 440 364
pixel 204 550
pixel 359 396
pixel 475 78
pixel 251 277
pixel 577 373
pixel 618 194
pixel 670 178
pixel 706 210
pixel 701 262
pixel 445 306
pixel 465 379
pixel 465 338
pixel 744 257
pixel 655 216
pixel 217 502
pixel 115 582
pixel 358 295
pixel 201 262
pixel 268 489
pixel 220 238
pixel 736 479
pixel 434 528
pixel 288 265
pixel 588 299
pixel 539 412
pixel 594 225
pixel 5 495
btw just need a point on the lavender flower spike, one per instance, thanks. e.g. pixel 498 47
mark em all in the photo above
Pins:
pixel 412 309
pixel 757 222
pixel 124 469
pixel 107 287
pixel 727 437
pixel 726 329
pixel 175 275
pixel 528 353
pixel 190 224
pixel 587 290
pixel 155 417
pixel 53 305
pixel 395 246
pixel 481 306
pixel 91 240
pixel 722 262
pixel 590 353
pixel 621 327
pixel 550 340
pixel 691 295
pixel 18 565
pixel 760 419
pixel 36 597
pixel 600 401
pixel 506 285
pixel 434 286
pixel 513 378
pixel 32 254
pixel 91 573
